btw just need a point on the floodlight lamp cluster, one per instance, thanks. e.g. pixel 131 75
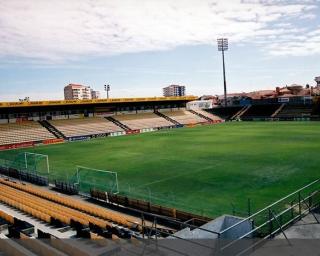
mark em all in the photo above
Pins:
pixel 222 44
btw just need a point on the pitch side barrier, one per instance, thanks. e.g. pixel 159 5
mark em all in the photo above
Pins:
pixel 113 134
pixel 30 144
pixel 273 119
pixel 146 206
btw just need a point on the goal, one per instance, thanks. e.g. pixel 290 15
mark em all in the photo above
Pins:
pixel 87 178
pixel 36 163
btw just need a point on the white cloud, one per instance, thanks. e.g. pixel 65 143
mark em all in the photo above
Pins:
pixel 57 31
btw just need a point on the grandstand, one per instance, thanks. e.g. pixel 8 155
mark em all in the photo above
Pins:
pixel 84 126
pixel 225 112
pixel 266 111
pixel 22 122
pixel 295 111
pixel 143 120
pixel 23 132
pixel 56 121
pixel 206 115
pixel 63 120
pixel 62 230
pixel 260 111
pixel 184 117
pixel 49 207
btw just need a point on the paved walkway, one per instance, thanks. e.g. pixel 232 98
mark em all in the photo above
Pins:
pixel 303 239
pixel 306 228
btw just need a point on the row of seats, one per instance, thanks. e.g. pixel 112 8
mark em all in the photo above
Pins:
pixel 207 114
pixel 143 120
pixel 185 117
pixel 85 126
pixel 23 132
pixel 44 209
pixel 33 131
pixel 72 203
pixel 97 245
pixel 29 210
pixel 295 111
pixel 225 112
pixel 6 217
pixel 260 111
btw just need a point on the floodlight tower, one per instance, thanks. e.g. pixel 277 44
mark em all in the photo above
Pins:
pixel 222 47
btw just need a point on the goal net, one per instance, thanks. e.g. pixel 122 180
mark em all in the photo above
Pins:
pixel 35 163
pixel 87 178
pixel 27 162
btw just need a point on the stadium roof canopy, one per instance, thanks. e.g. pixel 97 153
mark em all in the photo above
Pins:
pixel 24 104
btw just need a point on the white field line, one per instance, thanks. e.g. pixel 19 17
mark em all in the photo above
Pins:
pixel 175 176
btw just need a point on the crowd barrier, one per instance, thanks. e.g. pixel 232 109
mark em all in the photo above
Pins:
pixel 89 137
pixel 145 206
pixel 52 141
pixel 17 145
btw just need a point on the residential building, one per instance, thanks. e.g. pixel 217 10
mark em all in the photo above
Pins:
pixel 95 94
pixel 174 90
pixel 80 92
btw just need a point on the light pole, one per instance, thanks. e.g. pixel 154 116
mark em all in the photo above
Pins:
pixel 222 47
pixel 107 89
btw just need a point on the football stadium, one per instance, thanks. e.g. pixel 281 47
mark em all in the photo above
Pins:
pixel 143 162
pixel 159 128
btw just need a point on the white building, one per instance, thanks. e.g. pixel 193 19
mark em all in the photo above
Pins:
pixel 174 90
pixel 95 94
pixel 80 92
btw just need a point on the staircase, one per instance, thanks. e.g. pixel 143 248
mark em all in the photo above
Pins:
pixel 167 118
pixel 278 110
pixel 201 115
pixel 240 112
pixel 52 129
pixel 118 123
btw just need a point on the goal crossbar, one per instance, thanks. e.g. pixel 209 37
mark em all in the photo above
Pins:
pixel 79 167
pixel 36 154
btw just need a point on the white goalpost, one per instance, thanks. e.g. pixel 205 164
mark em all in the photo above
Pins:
pixel 104 180
pixel 36 162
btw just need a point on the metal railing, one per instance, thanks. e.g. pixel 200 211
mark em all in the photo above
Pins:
pixel 274 218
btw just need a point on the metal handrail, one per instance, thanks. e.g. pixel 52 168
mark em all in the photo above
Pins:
pixel 269 206
pixel 270 220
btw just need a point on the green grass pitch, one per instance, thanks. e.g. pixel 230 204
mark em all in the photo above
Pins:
pixel 203 169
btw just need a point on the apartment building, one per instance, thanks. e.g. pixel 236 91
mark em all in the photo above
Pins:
pixel 79 92
pixel 174 90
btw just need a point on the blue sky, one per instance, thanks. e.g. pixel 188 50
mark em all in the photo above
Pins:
pixel 140 46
